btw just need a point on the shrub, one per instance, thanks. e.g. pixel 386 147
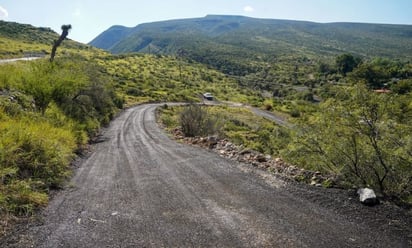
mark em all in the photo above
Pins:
pixel 268 107
pixel 365 138
pixel 195 121
pixel 31 161
pixel 22 198
pixel 295 113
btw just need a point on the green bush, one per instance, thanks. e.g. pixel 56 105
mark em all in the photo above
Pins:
pixel 364 137
pixel 32 161
pixel 295 113
pixel 21 198
pixel 47 112
pixel 35 153
pixel 195 121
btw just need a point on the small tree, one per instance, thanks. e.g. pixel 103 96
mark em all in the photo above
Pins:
pixel 346 63
pixel 195 121
pixel 362 136
pixel 57 43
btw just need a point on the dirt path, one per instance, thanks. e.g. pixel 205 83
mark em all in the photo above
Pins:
pixel 141 189
pixel 4 61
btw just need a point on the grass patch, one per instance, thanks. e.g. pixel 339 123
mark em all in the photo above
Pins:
pixel 31 161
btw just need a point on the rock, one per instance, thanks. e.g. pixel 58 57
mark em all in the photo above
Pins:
pixel 246 151
pixel 261 158
pixel 367 196
pixel 278 160
pixel 212 141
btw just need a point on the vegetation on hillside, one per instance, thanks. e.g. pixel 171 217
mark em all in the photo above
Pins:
pixel 242 46
pixel 23 40
pixel 359 131
pixel 363 136
pixel 144 78
pixel 48 111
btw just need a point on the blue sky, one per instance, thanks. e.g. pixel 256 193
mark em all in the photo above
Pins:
pixel 91 17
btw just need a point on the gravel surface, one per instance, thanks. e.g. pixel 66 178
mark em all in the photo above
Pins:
pixel 139 188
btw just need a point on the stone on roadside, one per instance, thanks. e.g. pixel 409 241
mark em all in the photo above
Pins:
pixel 367 196
pixel 246 151
pixel 261 158
pixel 212 141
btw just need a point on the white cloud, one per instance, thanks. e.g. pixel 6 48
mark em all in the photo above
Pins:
pixel 3 13
pixel 248 9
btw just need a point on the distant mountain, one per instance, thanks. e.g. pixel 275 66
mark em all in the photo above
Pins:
pixel 221 41
pixel 110 37
pixel 267 34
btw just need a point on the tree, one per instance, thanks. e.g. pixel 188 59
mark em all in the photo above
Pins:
pixel 346 63
pixel 402 87
pixel 196 121
pixel 364 137
pixel 57 43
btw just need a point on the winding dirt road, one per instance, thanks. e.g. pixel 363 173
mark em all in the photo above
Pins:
pixel 141 189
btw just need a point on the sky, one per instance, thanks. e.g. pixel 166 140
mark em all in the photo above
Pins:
pixel 89 18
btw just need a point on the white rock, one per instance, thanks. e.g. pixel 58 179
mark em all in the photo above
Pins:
pixel 367 196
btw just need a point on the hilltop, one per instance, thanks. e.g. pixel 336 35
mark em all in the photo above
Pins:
pixel 20 40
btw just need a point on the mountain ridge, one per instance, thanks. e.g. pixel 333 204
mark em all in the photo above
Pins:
pixel 239 45
pixel 115 37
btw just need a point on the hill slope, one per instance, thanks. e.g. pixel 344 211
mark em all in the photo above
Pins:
pixel 222 41
pixel 19 40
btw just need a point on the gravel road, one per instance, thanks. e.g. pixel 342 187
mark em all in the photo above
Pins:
pixel 139 188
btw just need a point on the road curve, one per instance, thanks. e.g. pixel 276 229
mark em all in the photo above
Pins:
pixel 141 189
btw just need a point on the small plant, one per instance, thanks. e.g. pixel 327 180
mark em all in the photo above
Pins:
pixel 268 107
pixel 195 121
pixel 295 113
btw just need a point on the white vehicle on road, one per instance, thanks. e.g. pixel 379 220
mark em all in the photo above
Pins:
pixel 208 96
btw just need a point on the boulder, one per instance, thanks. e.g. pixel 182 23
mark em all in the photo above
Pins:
pixel 261 158
pixel 212 141
pixel 367 196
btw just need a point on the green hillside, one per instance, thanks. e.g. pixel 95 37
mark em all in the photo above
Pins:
pixel 21 40
pixel 240 45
